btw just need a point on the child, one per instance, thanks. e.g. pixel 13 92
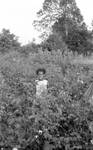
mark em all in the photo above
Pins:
pixel 15 148
pixel 41 83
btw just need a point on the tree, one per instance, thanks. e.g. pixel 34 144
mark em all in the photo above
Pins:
pixel 8 41
pixel 77 36
pixel 53 10
pixel 77 41
pixel 55 42
pixel 61 22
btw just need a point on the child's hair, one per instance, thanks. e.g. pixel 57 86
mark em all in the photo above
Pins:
pixel 40 70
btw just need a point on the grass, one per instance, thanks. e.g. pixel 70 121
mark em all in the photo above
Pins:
pixel 88 60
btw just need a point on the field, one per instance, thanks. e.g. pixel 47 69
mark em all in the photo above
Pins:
pixel 63 119
pixel 83 60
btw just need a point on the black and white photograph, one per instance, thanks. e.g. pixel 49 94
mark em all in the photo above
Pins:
pixel 46 75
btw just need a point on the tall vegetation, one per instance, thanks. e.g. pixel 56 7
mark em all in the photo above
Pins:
pixel 62 119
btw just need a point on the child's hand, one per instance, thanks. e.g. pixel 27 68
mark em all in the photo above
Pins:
pixel 36 81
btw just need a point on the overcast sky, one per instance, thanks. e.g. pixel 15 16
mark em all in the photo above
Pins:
pixel 18 15
pixel 86 8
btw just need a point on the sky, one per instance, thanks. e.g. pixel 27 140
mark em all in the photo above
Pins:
pixel 18 15
pixel 86 8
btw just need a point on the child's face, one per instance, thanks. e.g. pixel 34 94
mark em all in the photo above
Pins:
pixel 41 75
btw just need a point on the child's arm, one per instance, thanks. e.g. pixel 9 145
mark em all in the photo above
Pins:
pixel 36 81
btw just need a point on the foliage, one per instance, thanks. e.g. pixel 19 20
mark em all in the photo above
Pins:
pixel 78 41
pixel 29 48
pixel 55 43
pixel 52 11
pixel 63 118
pixel 75 35
pixel 61 23
pixel 8 41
